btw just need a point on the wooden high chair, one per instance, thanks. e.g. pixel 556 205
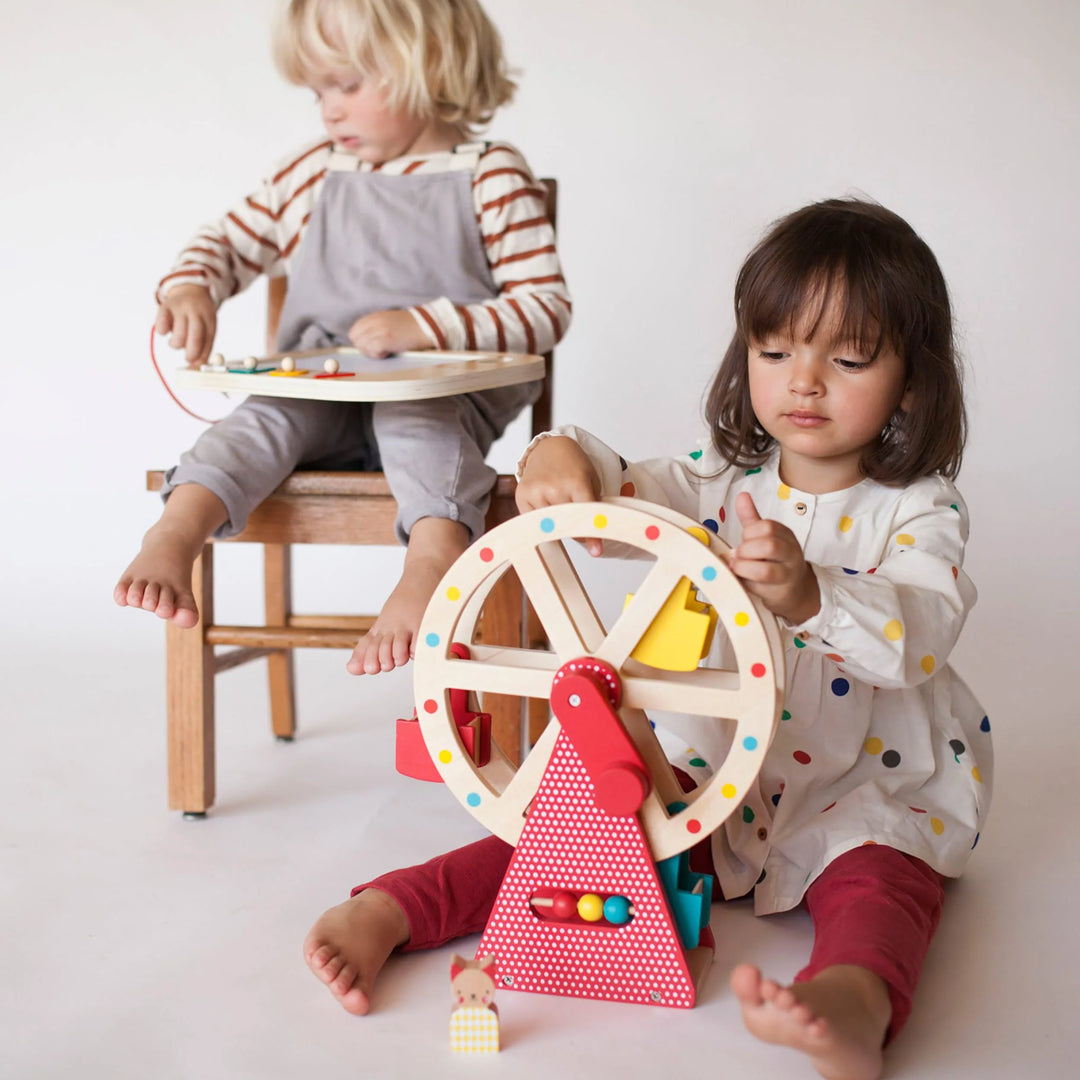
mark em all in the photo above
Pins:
pixel 318 508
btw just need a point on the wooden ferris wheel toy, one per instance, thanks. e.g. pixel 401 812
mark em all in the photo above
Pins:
pixel 598 900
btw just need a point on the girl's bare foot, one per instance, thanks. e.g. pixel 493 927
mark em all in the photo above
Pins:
pixel 159 577
pixel 839 1017
pixel 348 945
pixel 434 545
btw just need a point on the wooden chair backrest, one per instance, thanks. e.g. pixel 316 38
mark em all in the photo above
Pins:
pixel 541 410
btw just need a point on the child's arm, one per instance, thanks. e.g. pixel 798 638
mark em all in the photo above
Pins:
pixel 558 471
pixel 532 310
pixel 254 237
pixel 895 625
pixel 571 465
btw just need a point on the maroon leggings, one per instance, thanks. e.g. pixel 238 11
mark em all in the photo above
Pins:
pixel 873 906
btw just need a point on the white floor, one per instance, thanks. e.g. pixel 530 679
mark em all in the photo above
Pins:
pixel 137 944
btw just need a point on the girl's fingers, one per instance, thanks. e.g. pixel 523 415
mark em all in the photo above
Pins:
pixel 745 508
pixel 163 322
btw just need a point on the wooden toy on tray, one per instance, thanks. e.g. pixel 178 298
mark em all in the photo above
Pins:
pixel 598 900
pixel 345 374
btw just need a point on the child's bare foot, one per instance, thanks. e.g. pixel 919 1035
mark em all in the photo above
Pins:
pixel 434 545
pixel 159 577
pixel 348 945
pixel 838 1018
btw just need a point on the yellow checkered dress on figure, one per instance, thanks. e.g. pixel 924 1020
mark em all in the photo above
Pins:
pixel 474 1029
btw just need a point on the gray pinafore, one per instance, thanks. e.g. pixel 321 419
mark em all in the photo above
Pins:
pixel 375 241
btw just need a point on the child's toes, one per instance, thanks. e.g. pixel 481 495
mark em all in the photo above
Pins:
pixel 330 972
pixel 746 984
pixel 151 596
pixel 165 607
pixel 135 592
pixel 355 1001
pixel 185 615
pixel 344 981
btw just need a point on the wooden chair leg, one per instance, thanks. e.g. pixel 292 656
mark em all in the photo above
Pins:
pixel 189 676
pixel 277 575
pixel 500 624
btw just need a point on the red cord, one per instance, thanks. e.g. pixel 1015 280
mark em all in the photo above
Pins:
pixel 168 388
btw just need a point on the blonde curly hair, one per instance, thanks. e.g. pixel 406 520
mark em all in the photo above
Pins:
pixel 438 59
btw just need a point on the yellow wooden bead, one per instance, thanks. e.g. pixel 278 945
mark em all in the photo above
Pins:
pixel 590 907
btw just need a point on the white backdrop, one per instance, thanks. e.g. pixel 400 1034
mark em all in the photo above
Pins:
pixel 677 130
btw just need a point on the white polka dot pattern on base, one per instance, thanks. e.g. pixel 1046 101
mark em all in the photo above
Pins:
pixel 567 843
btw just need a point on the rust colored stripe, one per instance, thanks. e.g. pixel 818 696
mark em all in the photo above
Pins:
pixel 565 303
pixel 253 234
pixel 309 182
pixel 530 337
pixel 292 164
pixel 439 336
pixel 507 170
pixel 500 334
pixel 470 329
pixel 412 168
pixel 260 208
pixel 505 200
pixel 518 256
pixel 555 325
pixel 181 273
pixel 551 279
pixel 527 224
pixel 212 270
pixel 497 147
pixel 288 249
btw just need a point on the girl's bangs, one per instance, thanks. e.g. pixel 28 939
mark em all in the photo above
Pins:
pixel 790 297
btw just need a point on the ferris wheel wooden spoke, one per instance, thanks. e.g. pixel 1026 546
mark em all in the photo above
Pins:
pixel 559 599
pixel 638 615
pixel 702 692
pixel 503 670
pixel 667 788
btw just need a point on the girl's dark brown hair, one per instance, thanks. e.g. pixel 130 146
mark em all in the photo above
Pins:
pixel 892 292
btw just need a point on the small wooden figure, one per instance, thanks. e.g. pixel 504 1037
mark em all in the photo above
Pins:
pixel 474 1022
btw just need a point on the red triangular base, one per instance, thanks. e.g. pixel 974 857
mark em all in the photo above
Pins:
pixel 567 843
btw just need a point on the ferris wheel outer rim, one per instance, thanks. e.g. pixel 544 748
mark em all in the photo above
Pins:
pixel 472 572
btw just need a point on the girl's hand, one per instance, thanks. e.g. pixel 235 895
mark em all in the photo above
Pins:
pixel 383 333
pixel 190 314
pixel 558 471
pixel 770 563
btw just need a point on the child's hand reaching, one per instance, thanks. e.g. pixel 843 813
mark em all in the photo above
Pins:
pixel 189 313
pixel 559 471
pixel 770 563
pixel 385 332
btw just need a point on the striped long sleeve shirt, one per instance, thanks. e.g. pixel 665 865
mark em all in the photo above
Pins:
pixel 532 308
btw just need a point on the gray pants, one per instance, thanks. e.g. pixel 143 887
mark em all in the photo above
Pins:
pixel 432 451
